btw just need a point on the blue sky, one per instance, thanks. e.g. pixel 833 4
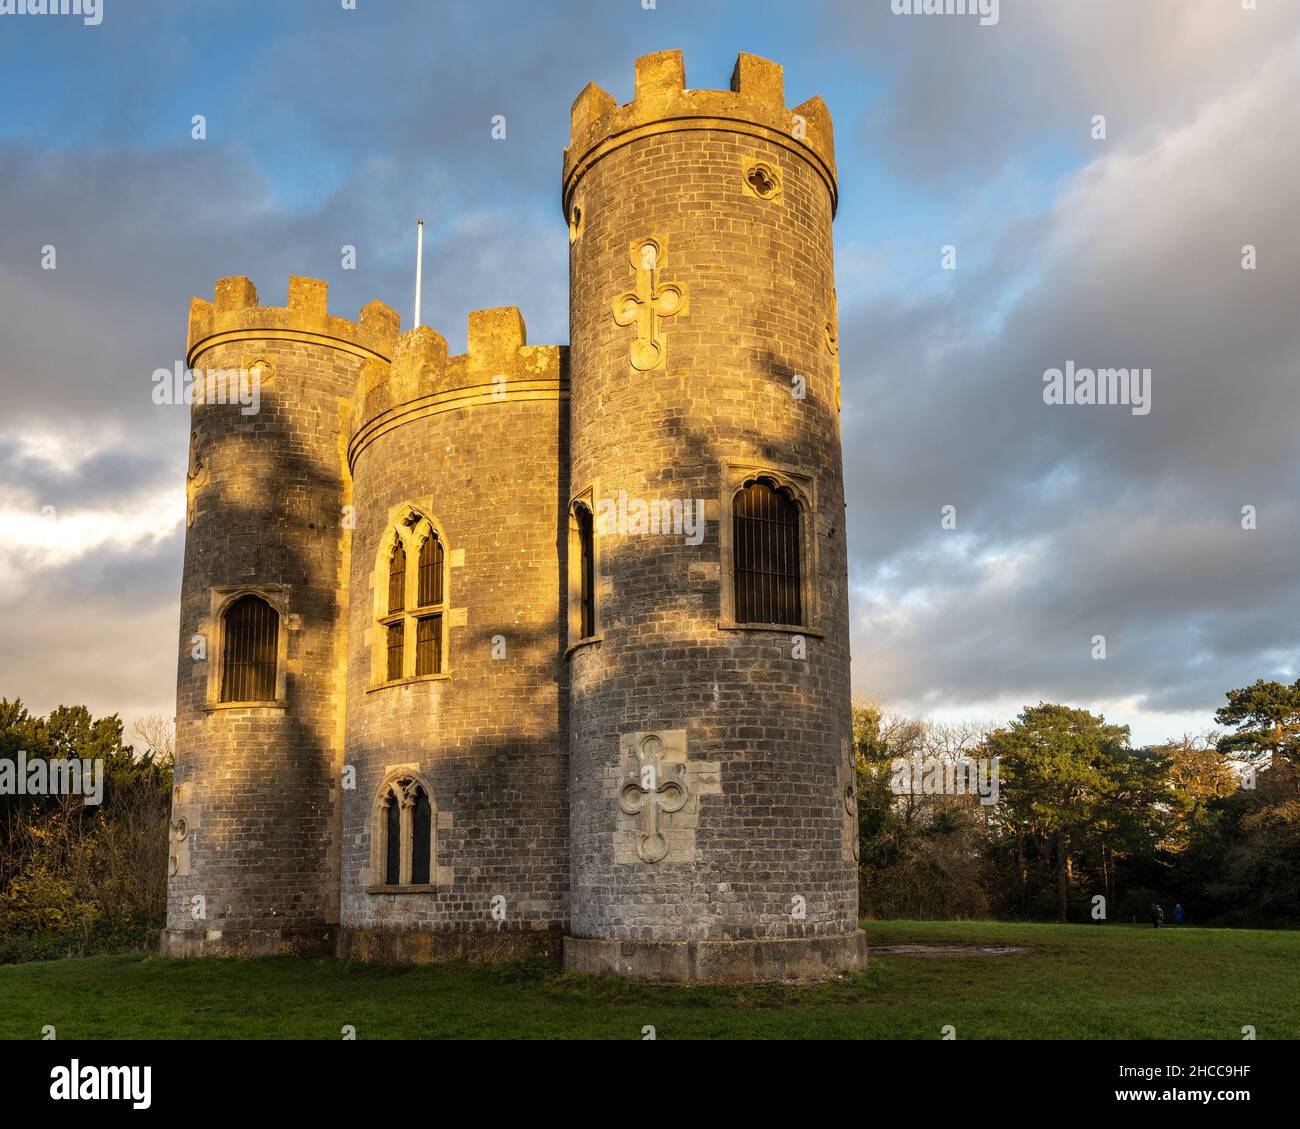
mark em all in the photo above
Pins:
pixel 329 126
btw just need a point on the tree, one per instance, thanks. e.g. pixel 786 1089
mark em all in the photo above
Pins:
pixel 1266 716
pixel 921 855
pixel 1061 771
pixel 1197 774
pixel 77 875
pixel 157 733
pixel 1254 847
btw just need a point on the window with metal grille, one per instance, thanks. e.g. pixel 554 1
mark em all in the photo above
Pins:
pixel 412 626
pixel 396 647
pixel 587 547
pixel 428 645
pixel 249 652
pixel 430 586
pixel 428 628
pixel 765 549
pixel 397 579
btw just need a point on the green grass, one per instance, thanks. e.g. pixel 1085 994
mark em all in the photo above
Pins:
pixel 1079 981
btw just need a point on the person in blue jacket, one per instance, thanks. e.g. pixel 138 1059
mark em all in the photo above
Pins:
pixel 1178 913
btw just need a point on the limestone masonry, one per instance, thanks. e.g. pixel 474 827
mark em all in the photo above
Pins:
pixel 539 649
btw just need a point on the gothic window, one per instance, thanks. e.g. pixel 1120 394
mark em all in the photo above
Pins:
pixel 430 592
pixel 421 834
pixel 587 548
pixel 396 649
pixel 412 617
pixel 404 834
pixel 397 579
pixel 392 841
pixel 428 632
pixel 251 630
pixel 583 570
pixel 763 181
pixel 766 554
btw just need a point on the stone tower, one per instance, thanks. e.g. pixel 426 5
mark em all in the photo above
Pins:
pixel 713 825
pixel 538 648
pixel 254 855
pixel 471 450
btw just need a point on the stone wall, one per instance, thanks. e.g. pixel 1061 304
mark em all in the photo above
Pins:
pixel 477 443
pixel 254 817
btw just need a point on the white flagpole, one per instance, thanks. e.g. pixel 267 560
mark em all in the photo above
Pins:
pixel 419 268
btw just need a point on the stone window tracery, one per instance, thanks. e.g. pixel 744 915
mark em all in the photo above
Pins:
pixel 404 846
pixel 411 639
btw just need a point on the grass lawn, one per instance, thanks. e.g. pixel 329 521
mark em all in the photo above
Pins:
pixel 1078 981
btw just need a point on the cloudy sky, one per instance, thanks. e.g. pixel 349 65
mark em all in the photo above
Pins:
pixel 328 127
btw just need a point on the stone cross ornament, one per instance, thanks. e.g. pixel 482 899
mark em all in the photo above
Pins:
pixel 646 794
pixel 648 303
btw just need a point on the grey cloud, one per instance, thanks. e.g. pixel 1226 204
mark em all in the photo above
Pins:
pixel 1128 527
pixel 104 477
pixel 965 99
pixel 1115 525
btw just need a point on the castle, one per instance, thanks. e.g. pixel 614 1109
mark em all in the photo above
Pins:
pixel 539 648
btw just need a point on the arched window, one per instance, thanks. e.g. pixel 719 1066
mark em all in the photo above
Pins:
pixel 582 566
pixel 421 834
pixel 766 554
pixel 428 621
pixel 392 841
pixel 430 592
pixel 395 634
pixel 587 571
pixel 403 829
pixel 397 578
pixel 411 640
pixel 251 642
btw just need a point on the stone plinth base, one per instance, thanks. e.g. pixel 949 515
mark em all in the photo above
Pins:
pixel 297 941
pixel 383 946
pixel 796 960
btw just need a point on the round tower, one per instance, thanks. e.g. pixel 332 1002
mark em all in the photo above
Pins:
pixel 713 825
pixel 254 852
pixel 455 833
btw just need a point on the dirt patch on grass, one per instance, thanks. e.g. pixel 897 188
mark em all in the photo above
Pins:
pixel 951 950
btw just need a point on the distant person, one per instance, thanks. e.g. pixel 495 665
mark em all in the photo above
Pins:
pixel 1156 915
pixel 1178 913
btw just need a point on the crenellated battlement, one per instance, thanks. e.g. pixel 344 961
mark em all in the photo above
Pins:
pixel 663 104
pixel 234 315
pixel 499 366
